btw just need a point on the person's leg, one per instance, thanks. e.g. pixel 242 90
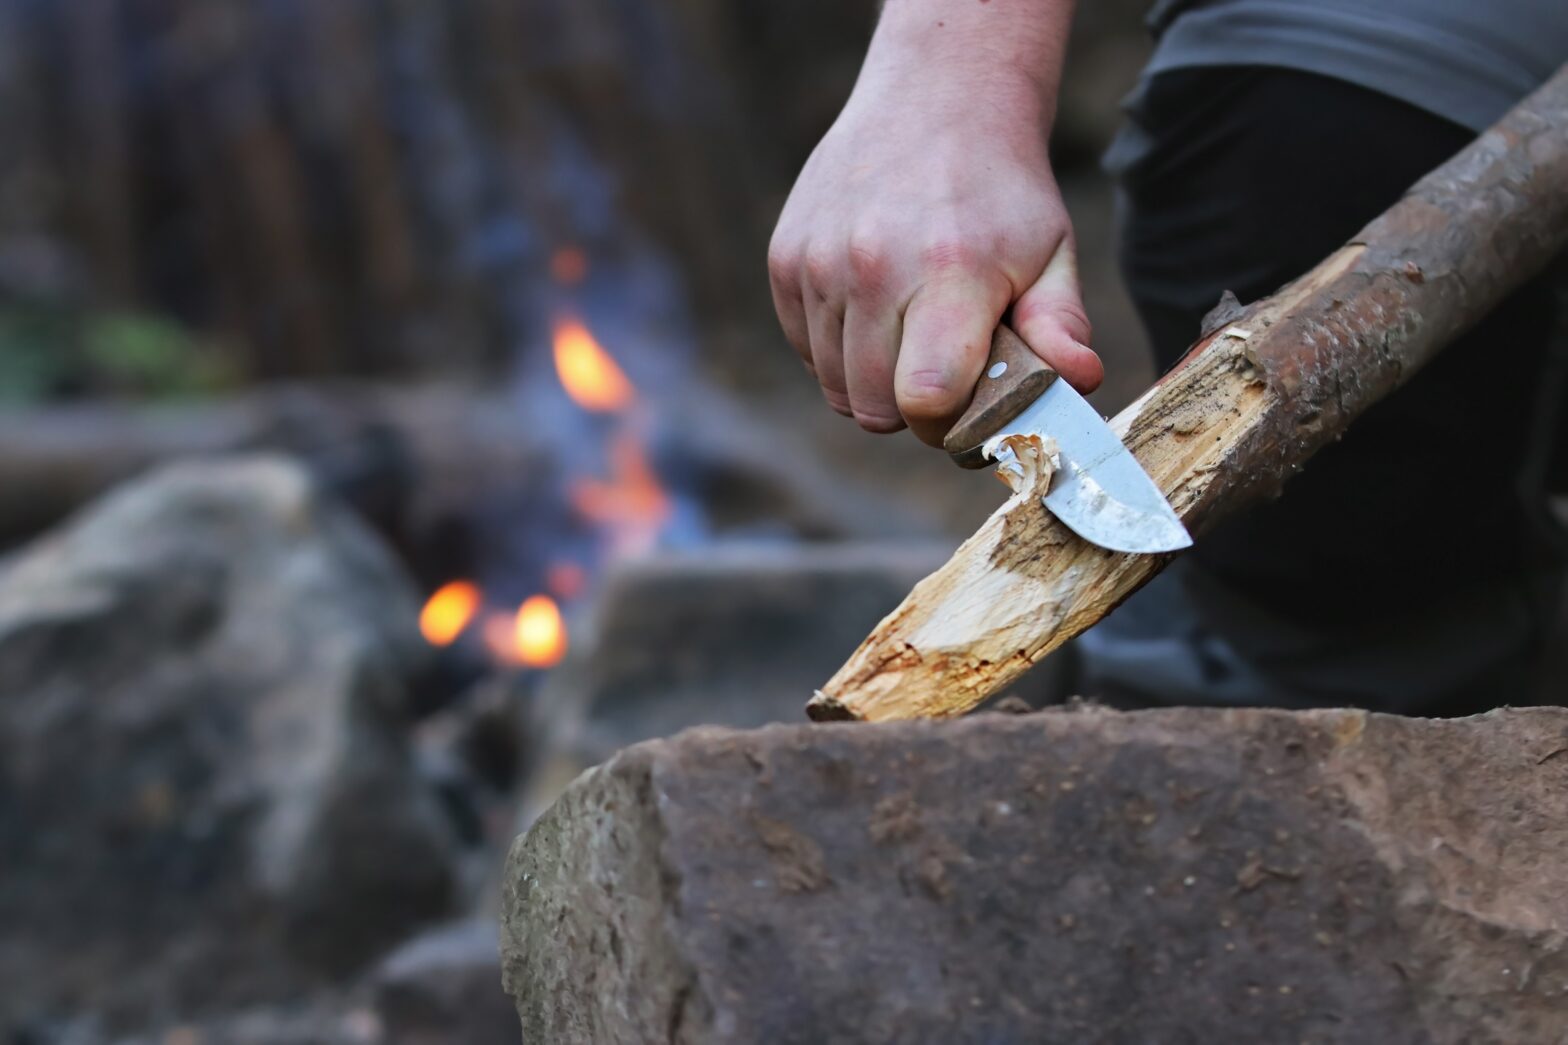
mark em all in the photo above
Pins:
pixel 1405 568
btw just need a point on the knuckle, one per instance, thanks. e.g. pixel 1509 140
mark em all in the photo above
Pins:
pixel 870 268
pixel 822 271
pixel 1077 323
pixel 1069 315
pixel 951 254
pixel 784 267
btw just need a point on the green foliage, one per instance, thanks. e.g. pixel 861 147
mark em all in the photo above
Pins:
pixel 151 356
pixel 32 363
pixel 48 352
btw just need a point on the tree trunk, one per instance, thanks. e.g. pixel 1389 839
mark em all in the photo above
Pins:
pixel 1262 390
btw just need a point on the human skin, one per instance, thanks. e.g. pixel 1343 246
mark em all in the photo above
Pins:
pixel 929 210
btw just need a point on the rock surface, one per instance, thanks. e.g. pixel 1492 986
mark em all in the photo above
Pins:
pixel 732 635
pixel 444 988
pixel 206 794
pixel 729 636
pixel 1172 876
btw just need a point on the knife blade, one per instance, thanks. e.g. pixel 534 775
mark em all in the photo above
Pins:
pixel 1100 491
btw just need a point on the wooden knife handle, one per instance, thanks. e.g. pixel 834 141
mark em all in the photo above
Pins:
pixel 1013 378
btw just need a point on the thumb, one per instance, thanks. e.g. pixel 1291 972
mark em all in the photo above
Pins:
pixel 1050 317
pixel 947 335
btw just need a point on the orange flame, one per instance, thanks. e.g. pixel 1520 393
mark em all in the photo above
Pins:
pixel 630 504
pixel 587 372
pixel 539 632
pixel 566 580
pixel 497 632
pixel 448 612
pixel 569 266
pixel 533 637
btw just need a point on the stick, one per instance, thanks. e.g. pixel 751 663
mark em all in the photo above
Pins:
pixel 1257 395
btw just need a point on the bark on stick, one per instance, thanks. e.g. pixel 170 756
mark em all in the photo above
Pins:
pixel 1251 402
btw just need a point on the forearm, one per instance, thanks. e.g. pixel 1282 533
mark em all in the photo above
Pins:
pixel 972 59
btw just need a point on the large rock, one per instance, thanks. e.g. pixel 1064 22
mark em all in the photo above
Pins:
pixel 1170 876
pixel 734 635
pixel 731 635
pixel 206 794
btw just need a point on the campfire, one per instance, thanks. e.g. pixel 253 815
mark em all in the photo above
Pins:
pixel 626 508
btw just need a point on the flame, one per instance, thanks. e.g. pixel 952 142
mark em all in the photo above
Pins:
pixel 587 372
pixel 499 639
pixel 533 637
pixel 630 504
pixel 569 266
pixel 566 579
pixel 448 612
pixel 539 632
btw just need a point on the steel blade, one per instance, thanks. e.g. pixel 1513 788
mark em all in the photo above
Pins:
pixel 1100 492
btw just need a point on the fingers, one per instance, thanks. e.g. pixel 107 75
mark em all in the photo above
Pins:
pixel 789 302
pixel 870 358
pixel 887 363
pixel 843 321
pixel 872 325
pixel 825 326
pixel 947 335
pixel 1050 317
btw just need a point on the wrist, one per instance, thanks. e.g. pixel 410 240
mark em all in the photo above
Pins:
pixel 994 62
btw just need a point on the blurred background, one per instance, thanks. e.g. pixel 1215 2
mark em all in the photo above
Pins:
pixel 393 423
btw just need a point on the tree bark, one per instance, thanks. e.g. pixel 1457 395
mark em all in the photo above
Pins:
pixel 1259 393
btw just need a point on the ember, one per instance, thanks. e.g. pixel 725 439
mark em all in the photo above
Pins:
pixel 448 612
pixel 533 637
pixel 539 632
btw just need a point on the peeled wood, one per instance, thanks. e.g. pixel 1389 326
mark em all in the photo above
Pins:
pixel 1262 390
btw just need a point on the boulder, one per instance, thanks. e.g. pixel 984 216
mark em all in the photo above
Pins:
pixel 206 792
pixel 736 634
pixel 733 635
pixel 444 988
pixel 1175 876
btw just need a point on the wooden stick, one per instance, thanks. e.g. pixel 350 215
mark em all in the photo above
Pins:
pixel 1262 390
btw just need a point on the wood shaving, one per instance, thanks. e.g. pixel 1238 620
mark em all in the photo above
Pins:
pixel 1024 462
pixel 1240 332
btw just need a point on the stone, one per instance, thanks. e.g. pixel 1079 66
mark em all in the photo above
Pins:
pixel 444 988
pixel 1174 875
pixel 735 634
pixel 207 797
pixel 325 1019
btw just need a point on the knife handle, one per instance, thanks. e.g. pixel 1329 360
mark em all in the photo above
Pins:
pixel 1013 378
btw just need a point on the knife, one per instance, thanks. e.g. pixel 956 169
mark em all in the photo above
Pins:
pixel 1100 491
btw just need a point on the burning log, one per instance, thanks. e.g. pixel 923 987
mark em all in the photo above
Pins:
pixel 1263 389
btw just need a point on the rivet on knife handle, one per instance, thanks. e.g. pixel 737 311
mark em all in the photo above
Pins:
pixel 1013 378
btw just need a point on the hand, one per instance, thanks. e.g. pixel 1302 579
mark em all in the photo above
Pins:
pixel 922 216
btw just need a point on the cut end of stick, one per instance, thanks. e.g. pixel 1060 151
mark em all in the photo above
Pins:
pixel 824 708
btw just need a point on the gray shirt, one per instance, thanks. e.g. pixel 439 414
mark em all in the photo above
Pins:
pixel 1466 60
